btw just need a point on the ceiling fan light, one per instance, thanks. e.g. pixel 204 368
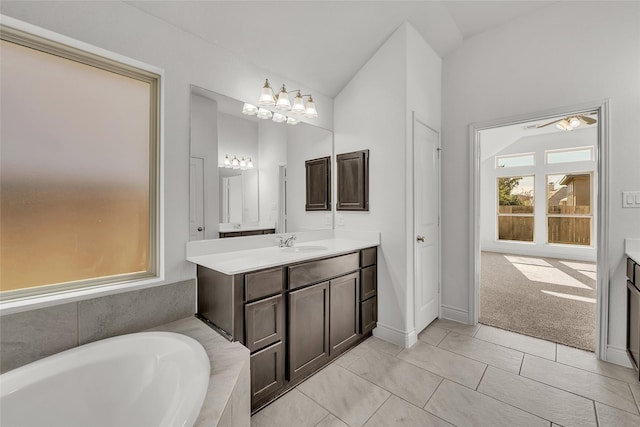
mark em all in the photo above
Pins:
pixel 564 125
pixel 249 109
pixel 266 98
pixel 298 104
pixel 279 118
pixel 264 114
pixel 310 111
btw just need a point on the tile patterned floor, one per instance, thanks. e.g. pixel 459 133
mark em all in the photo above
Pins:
pixel 460 375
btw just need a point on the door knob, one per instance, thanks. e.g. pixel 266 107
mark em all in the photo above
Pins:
pixel 420 238
pixel 200 228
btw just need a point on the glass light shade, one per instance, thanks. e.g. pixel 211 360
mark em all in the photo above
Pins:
pixel 235 163
pixel 266 95
pixel 264 114
pixel 564 125
pixel 249 164
pixel 243 163
pixel 227 162
pixel 292 121
pixel 574 122
pixel 298 104
pixel 249 109
pixel 279 118
pixel 310 109
pixel 283 103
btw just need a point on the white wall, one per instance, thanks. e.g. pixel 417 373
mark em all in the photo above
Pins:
pixel 273 154
pixel 305 143
pixel 186 60
pixel 488 192
pixel 204 144
pixel 523 67
pixel 374 112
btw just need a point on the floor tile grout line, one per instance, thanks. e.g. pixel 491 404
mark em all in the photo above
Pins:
pixel 521 364
pixel 377 409
pixel 483 372
pixel 574 393
pixel 595 412
pixel 634 398
pixel 513 406
pixel 433 394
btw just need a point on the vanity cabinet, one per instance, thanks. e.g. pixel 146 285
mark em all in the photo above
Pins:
pixel 293 318
pixel 633 313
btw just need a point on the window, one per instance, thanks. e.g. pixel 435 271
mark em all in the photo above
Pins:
pixel 515 208
pixel 569 212
pixel 79 169
pixel 515 160
pixel 577 154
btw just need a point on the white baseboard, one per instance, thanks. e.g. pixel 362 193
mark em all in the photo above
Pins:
pixel 395 336
pixel 618 356
pixel 453 313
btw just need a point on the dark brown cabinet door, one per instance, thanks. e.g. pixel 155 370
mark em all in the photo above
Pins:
pixel 267 373
pixel 264 320
pixel 368 286
pixel 353 181
pixel 369 313
pixel 308 329
pixel 318 184
pixel 344 312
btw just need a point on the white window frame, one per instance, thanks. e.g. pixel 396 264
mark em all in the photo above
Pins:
pixel 590 215
pixel 507 156
pixel 590 148
pixel 31 36
pixel 498 214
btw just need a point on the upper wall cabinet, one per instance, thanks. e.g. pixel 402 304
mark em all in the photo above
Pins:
pixel 353 181
pixel 318 184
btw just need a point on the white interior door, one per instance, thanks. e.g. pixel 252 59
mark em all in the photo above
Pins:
pixel 196 199
pixel 426 175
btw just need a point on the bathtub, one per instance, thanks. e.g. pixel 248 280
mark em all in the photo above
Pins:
pixel 143 379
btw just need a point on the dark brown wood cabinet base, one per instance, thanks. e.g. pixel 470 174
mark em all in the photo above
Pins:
pixel 295 318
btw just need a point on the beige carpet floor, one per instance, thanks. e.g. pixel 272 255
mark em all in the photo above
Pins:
pixel 547 298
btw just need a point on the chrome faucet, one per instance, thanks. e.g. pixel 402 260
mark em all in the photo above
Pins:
pixel 288 242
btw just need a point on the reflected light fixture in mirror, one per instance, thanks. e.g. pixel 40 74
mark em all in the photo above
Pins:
pixel 235 163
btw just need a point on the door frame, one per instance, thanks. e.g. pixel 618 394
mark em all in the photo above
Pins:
pixel 415 119
pixel 602 109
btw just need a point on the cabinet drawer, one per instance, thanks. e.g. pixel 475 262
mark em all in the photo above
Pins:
pixel 368 257
pixel 369 315
pixel 262 283
pixel 368 282
pixel 267 373
pixel 630 270
pixel 315 271
pixel 264 320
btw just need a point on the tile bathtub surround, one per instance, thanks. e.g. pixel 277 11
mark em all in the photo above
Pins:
pixel 32 335
pixel 228 398
pixel 442 370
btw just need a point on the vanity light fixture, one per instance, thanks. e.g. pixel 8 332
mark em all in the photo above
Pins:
pixel 264 114
pixel 281 101
pixel 234 163
pixel 249 109
pixel 291 121
pixel 279 118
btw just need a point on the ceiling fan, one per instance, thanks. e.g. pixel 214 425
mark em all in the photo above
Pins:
pixel 571 122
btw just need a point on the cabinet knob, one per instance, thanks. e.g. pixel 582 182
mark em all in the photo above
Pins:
pixel 420 238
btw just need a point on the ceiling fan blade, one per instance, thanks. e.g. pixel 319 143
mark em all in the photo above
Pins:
pixel 550 123
pixel 587 120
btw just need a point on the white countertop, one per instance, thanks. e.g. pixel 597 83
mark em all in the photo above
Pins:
pixel 632 249
pixel 232 229
pixel 242 261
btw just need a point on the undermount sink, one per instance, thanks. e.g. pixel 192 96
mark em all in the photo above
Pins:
pixel 305 249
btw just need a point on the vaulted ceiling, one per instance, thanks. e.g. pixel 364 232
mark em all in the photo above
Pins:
pixel 324 43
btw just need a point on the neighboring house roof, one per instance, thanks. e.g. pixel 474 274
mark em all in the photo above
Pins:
pixel 557 196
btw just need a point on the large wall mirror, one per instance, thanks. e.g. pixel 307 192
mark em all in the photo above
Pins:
pixel 247 175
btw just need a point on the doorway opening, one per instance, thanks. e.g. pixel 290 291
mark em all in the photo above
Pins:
pixel 538 225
